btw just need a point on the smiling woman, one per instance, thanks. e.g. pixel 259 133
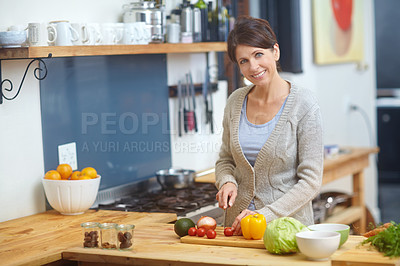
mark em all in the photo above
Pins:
pixel 271 157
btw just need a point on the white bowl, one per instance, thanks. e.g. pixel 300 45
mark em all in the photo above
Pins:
pixel 9 39
pixel 71 197
pixel 318 245
pixel 342 229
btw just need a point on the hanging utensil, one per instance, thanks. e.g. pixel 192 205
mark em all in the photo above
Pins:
pixel 190 120
pixel 185 110
pixel 210 112
pixel 180 108
pixel 194 100
pixel 205 94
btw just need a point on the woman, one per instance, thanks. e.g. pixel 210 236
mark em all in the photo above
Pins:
pixel 271 158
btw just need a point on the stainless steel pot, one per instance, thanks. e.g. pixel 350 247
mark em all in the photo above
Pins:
pixel 151 14
pixel 175 178
pixel 325 203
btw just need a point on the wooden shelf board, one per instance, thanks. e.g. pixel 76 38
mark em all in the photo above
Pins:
pixel 96 50
pixel 347 216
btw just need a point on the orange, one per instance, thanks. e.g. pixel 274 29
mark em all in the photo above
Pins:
pixel 89 171
pixel 65 170
pixel 83 177
pixel 75 175
pixel 52 174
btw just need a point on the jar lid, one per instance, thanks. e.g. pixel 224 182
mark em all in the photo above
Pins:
pixel 107 225
pixel 90 225
pixel 125 226
pixel 140 5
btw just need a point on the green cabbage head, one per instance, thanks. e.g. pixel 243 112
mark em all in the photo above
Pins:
pixel 280 235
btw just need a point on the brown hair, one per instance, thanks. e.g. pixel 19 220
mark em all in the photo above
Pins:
pixel 252 32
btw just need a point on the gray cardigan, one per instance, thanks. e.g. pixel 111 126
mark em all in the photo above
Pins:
pixel 287 173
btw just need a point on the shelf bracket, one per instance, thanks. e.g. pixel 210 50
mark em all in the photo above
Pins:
pixel 39 73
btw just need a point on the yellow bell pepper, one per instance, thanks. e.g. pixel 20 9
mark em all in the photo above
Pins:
pixel 253 226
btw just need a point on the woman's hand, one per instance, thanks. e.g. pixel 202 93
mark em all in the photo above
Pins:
pixel 227 192
pixel 236 228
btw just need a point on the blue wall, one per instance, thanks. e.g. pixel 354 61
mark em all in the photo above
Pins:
pixel 116 110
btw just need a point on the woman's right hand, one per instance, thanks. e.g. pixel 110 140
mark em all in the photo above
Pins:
pixel 227 192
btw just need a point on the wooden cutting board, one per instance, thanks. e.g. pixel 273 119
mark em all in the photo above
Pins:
pixel 222 240
pixel 363 255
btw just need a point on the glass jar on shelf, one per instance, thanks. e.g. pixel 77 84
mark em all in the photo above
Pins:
pixel 90 234
pixel 108 235
pixel 125 236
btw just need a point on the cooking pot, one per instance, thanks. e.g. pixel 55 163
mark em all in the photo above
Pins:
pixel 148 12
pixel 325 203
pixel 175 178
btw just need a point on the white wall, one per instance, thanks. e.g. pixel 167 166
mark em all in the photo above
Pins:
pixel 337 86
pixel 21 152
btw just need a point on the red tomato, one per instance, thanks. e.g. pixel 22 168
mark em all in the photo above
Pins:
pixel 201 232
pixel 211 234
pixel 228 231
pixel 192 231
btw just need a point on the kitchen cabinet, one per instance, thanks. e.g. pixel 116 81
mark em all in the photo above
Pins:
pixel 352 162
pixel 98 50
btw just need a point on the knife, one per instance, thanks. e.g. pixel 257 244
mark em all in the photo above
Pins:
pixel 192 92
pixel 226 210
pixel 224 217
pixel 180 108
pixel 190 120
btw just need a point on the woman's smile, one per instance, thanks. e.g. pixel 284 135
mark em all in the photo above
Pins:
pixel 259 75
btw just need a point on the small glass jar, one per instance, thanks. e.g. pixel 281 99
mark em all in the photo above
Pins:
pixel 108 235
pixel 90 234
pixel 125 236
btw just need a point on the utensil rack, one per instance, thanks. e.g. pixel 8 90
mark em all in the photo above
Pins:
pixel 198 89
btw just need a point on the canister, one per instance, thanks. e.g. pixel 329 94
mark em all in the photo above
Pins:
pixel 108 235
pixel 196 25
pixel 187 19
pixel 125 236
pixel 90 234
pixel 173 33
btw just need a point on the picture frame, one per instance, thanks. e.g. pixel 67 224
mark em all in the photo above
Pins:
pixel 338 34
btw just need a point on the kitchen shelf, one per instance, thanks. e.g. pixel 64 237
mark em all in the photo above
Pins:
pixel 97 50
pixel 346 216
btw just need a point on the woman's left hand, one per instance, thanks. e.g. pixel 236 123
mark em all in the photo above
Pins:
pixel 236 228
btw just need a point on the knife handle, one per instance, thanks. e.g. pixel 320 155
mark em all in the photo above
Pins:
pixel 185 121
pixel 210 117
pixel 194 121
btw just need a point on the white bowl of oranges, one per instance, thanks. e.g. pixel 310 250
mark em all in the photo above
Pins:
pixel 71 192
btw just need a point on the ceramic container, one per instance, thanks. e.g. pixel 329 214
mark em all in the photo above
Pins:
pixel 318 245
pixel 71 197
pixel 342 229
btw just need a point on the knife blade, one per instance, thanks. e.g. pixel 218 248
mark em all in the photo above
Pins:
pixel 224 217
pixel 225 210
pixel 180 109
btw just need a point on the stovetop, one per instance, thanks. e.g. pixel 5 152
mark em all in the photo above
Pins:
pixel 179 201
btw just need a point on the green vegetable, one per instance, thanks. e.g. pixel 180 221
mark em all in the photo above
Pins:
pixel 280 235
pixel 387 241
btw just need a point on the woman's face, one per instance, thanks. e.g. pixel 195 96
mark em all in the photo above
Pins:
pixel 258 65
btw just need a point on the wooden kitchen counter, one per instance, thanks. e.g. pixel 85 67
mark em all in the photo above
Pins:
pixel 39 239
pixel 53 238
pixel 157 244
